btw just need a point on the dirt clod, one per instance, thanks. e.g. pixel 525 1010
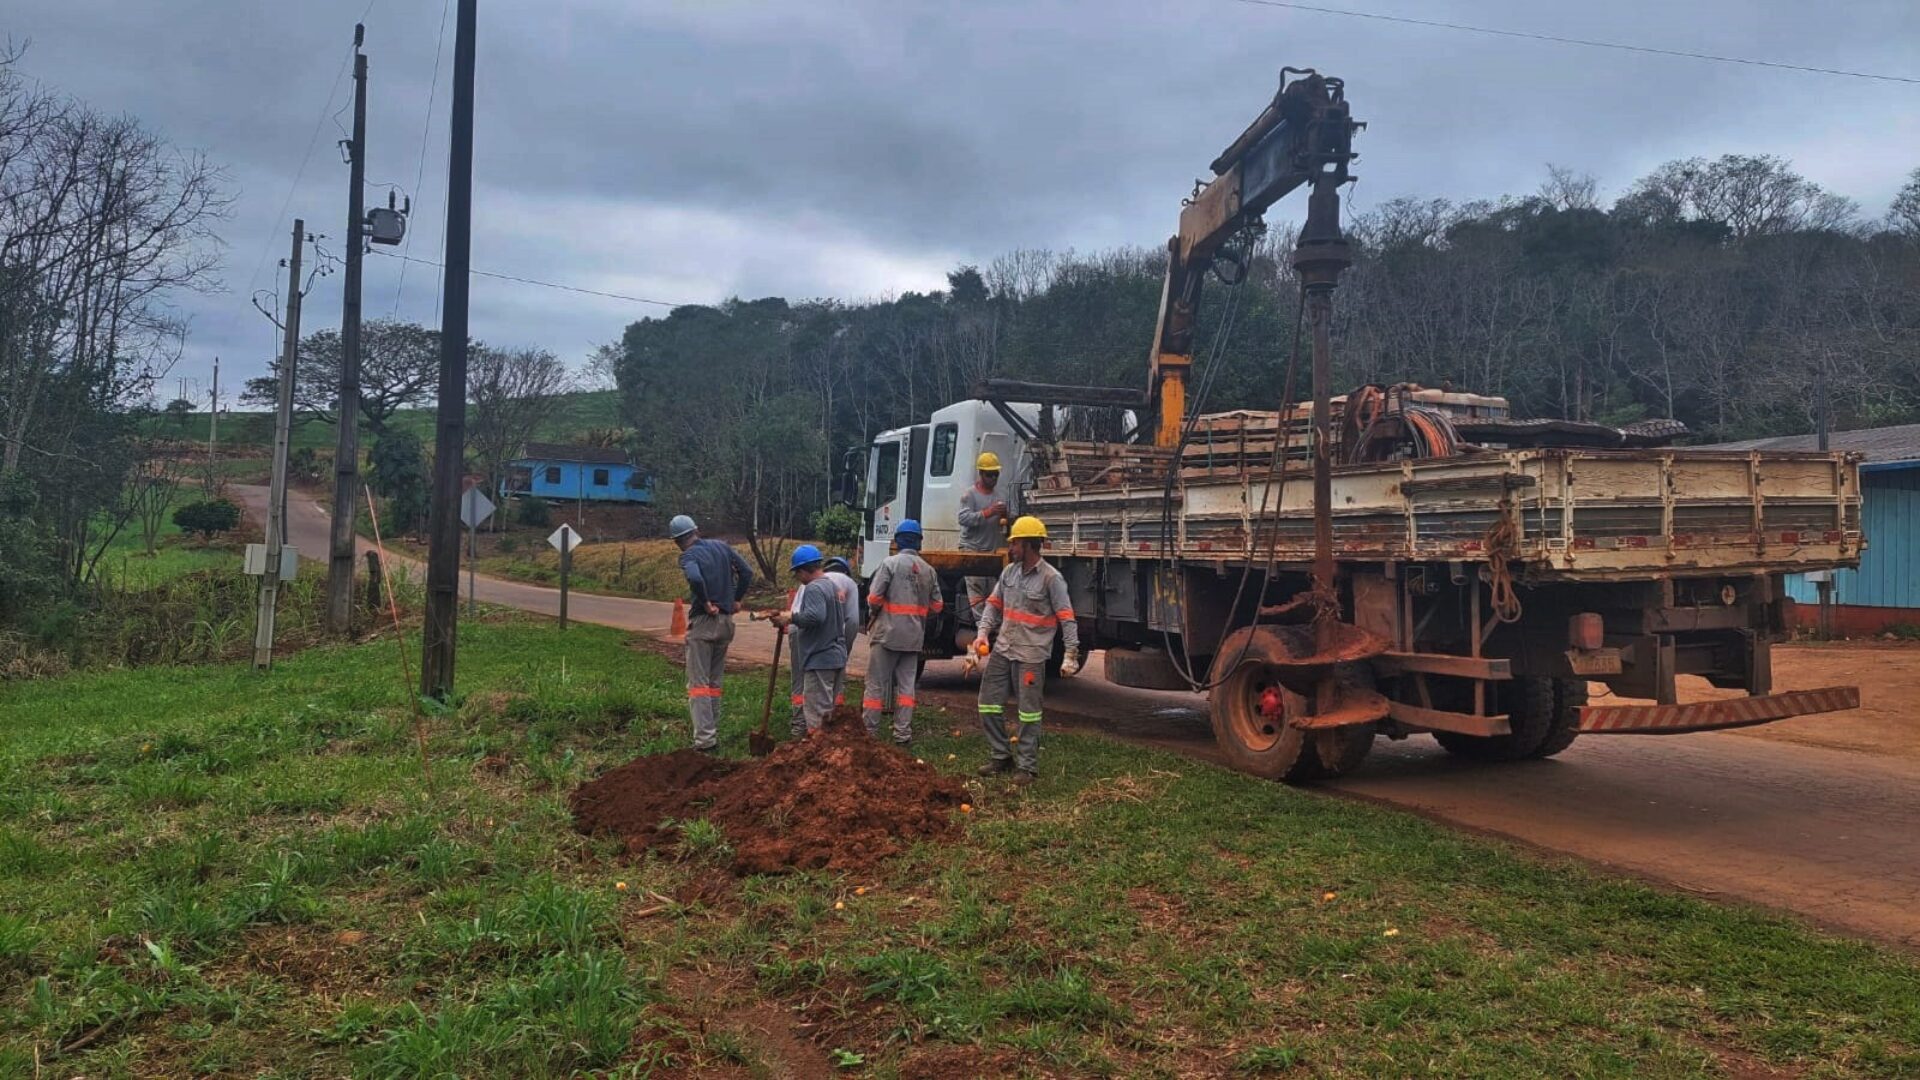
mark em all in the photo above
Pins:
pixel 838 801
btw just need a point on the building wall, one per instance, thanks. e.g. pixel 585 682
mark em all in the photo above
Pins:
pixel 1889 573
pixel 576 482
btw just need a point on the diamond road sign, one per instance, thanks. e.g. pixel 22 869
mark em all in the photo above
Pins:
pixel 564 539
pixel 475 508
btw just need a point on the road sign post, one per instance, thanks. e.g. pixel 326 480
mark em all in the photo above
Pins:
pixel 475 509
pixel 564 540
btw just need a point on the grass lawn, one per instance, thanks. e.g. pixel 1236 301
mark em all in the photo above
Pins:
pixel 203 870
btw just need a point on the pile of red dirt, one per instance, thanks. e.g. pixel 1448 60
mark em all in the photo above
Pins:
pixel 838 801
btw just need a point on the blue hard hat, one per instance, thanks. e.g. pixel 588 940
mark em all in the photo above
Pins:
pixel 805 555
pixel 680 526
pixel 908 525
pixel 840 564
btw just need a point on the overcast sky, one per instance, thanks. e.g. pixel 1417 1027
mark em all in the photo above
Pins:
pixel 688 151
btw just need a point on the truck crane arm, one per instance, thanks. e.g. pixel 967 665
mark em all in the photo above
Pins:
pixel 1304 136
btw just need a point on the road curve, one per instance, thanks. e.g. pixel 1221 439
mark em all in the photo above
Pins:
pixel 1829 834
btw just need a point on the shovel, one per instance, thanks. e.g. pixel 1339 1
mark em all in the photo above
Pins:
pixel 759 743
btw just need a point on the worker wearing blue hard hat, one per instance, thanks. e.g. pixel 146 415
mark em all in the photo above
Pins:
pixel 819 622
pixel 718 579
pixel 904 593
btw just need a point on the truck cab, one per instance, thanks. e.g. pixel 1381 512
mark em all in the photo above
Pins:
pixel 922 471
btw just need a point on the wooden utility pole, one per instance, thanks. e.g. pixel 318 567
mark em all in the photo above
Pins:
pixel 282 434
pixel 443 519
pixel 346 454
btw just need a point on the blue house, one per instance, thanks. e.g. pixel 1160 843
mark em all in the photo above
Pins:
pixel 1885 590
pixel 578 473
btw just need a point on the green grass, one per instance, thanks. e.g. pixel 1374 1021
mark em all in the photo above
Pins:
pixel 205 870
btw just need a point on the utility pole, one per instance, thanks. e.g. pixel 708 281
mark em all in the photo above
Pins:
pixel 282 434
pixel 213 423
pixel 443 519
pixel 346 454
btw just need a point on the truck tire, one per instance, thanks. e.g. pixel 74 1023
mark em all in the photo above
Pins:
pixel 1251 741
pixel 1569 696
pixel 1530 704
pixel 1338 751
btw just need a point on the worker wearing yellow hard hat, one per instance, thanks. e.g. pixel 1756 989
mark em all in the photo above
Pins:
pixel 1028 607
pixel 984 514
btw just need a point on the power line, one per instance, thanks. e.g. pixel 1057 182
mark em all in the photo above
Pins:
pixel 1589 43
pixel 542 284
pixel 426 130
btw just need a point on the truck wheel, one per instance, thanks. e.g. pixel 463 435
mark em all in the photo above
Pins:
pixel 1252 741
pixel 1530 704
pixel 1569 696
pixel 1338 751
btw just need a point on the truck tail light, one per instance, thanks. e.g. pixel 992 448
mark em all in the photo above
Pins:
pixel 1586 630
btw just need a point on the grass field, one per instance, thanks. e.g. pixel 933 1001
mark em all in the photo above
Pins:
pixel 648 569
pixel 205 870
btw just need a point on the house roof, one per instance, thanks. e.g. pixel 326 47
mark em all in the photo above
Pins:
pixel 1882 447
pixel 585 455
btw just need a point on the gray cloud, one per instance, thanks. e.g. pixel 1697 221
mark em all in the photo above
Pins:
pixel 690 150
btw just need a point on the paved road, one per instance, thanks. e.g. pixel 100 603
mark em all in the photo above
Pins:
pixel 1831 834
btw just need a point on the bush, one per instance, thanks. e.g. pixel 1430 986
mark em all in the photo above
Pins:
pixel 533 512
pixel 397 468
pixel 839 527
pixel 207 518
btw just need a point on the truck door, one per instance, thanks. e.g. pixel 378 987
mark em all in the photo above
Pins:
pixel 916 472
pixel 1013 465
pixel 886 473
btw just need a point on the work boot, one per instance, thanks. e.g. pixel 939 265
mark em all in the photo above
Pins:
pixel 995 766
pixel 1024 779
pixel 904 744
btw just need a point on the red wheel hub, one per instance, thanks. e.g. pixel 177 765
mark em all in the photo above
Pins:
pixel 1271 706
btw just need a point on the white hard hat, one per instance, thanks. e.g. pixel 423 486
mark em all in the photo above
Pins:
pixel 680 526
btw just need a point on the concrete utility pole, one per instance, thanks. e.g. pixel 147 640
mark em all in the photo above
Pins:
pixel 282 434
pixel 213 423
pixel 346 454
pixel 443 520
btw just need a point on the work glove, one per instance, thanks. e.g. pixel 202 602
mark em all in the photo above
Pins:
pixel 1069 667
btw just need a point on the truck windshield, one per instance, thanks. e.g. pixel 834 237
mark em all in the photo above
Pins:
pixel 886 473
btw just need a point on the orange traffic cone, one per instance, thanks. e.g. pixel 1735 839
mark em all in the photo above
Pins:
pixel 678 628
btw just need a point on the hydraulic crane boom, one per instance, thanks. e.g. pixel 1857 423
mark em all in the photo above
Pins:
pixel 1304 136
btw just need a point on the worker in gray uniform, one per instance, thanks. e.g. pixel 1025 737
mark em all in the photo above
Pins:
pixel 840 573
pixel 718 578
pixel 902 594
pixel 820 637
pixel 1028 606
pixel 984 514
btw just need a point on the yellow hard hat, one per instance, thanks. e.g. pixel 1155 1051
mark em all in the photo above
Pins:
pixel 989 462
pixel 1027 528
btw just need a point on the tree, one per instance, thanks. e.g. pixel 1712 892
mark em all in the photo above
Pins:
pixel 397 472
pixel 399 368
pixel 1904 217
pixel 101 223
pixel 513 392
pixel 151 490
pixel 179 410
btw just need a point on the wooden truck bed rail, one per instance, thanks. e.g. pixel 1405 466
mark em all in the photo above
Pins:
pixel 1578 514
